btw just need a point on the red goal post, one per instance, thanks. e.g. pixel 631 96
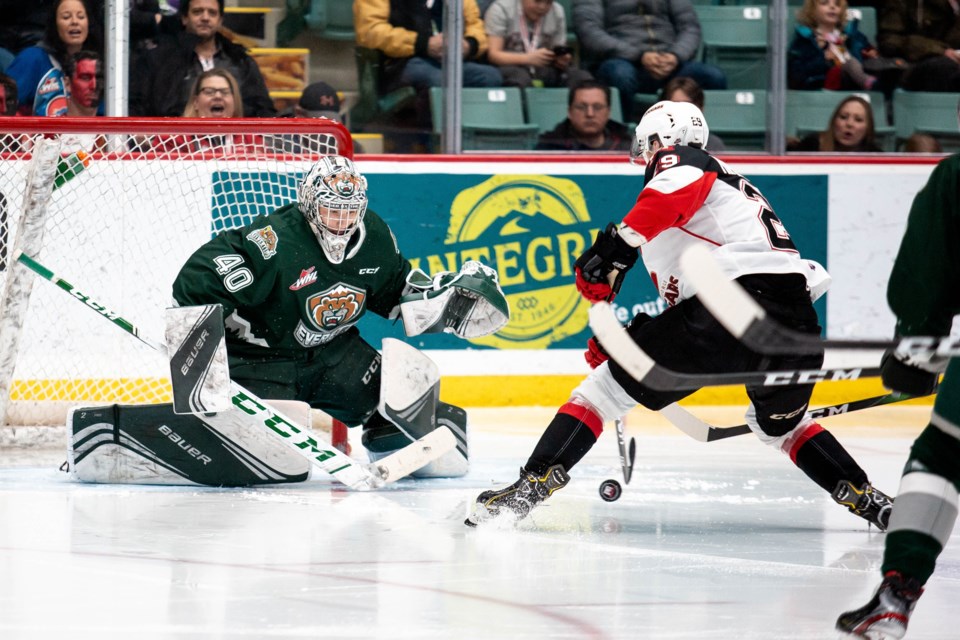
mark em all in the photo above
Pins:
pixel 115 206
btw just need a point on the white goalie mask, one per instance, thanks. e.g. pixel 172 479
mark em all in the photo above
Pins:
pixel 670 124
pixel 333 199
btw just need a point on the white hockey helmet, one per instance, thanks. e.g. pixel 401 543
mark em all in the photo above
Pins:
pixel 670 124
pixel 333 198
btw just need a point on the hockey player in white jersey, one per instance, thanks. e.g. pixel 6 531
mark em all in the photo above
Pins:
pixel 690 197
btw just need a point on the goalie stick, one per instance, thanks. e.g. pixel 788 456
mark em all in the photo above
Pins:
pixel 748 322
pixel 703 432
pixel 357 476
pixel 621 347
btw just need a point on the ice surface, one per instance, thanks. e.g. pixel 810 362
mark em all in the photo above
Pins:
pixel 725 540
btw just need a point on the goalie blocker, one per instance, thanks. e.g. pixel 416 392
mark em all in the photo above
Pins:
pixel 151 444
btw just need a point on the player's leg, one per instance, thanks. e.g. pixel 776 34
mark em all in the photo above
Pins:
pixel 922 519
pixel 606 394
pixel 777 414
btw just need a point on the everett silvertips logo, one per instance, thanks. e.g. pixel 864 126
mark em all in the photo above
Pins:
pixel 266 240
pixel 531 230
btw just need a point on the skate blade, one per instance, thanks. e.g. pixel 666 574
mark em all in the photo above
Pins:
pixel 504 519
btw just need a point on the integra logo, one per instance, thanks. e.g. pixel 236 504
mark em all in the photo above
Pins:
pixel 178 440
pixel 531 230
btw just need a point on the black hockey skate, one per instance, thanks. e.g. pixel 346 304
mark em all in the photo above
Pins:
pixel 520 498
pixel 868 502
pixel 886 616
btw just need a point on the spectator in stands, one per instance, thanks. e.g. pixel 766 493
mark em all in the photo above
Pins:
pixel 926 33
pixel 639 45
pixel 527 40
pixel 851 129
pixel 162 86
pixel 8 95
pixel 318 100
pixel 23 26
pixel 84 80
pixel 827 51
pixel 149 20
pixel 588 126
pixel 922 143
pixel 687 90
pixel 409 33
pixel 83 71
pixel 70 27
pixel 214 94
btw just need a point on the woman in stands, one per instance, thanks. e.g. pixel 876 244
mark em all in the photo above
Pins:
pixel 37 70
pixel 851 129
pixel 828 51
pixel 214 94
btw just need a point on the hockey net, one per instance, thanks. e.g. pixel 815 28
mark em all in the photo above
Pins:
pixel 115 206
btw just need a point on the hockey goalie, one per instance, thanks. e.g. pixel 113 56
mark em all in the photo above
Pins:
pixel 291 288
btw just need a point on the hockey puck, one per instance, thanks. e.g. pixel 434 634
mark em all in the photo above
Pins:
pixel 610 490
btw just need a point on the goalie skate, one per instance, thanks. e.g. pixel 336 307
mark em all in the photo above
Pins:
pixel 519 499
pixel 868 502
pixel 886 616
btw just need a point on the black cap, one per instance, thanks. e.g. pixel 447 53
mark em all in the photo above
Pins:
pixel 320 100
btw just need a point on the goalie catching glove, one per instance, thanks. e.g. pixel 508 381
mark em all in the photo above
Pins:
pixel 609 253
pixel 468 304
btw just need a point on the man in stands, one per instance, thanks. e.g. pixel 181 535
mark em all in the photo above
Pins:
pixel 84 78
pixel 161 86
pixel 588 126
pixel 409 34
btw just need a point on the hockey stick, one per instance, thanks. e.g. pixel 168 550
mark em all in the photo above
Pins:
pixel 703 432
pixel 748 322
pixel 342 467
pixel 621 347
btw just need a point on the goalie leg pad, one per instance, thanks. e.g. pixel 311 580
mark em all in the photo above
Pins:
pixel 381 438
pixel 410 409
pixel 150 444
pixel 199 373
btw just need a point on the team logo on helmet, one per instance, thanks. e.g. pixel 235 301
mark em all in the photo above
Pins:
pixel 336 307
pixel 344 183
pixel 266 240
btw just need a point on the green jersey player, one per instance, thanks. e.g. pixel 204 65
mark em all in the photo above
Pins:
pixel 295 283
pixel 924 293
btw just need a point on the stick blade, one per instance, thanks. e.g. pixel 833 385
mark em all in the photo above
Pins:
pixel 415 455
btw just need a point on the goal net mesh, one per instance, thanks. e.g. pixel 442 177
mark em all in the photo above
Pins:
pixel 115 206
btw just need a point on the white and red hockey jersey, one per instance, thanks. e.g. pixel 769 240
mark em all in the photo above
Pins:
pixel 689 198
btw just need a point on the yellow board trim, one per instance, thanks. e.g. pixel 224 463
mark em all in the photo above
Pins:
pixel 465 391
pixel 522 391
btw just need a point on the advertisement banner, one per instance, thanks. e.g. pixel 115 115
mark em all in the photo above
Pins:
pixel 531 228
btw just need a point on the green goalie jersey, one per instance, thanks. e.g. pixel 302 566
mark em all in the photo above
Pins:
pixel 281 295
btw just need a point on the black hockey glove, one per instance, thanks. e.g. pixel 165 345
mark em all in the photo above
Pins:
pixel 608 252
pixel 908 374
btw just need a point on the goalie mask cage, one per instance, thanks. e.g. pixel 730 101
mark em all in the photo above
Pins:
pixel 115 206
